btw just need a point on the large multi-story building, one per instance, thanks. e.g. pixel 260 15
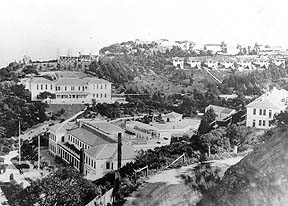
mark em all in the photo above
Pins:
pixel 70 90
pixel 261 111
pixel 90 146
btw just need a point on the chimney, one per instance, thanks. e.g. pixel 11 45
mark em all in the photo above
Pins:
pixel 119 150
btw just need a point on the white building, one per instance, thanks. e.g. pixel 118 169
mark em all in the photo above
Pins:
pixel 279 62
pixel 162 133
pixel 194 62
pixel 70 90
pixel 261 111
pixel 178 62
pixel 90 146
pixel 102 159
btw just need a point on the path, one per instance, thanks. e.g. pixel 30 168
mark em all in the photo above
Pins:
pixel 5 177
pixel 167 187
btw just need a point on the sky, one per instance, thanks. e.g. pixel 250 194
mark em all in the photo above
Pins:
pixel 38 27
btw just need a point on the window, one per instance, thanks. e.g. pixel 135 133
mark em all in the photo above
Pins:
pixel 41 86
pixel 107 165
pixel 101 95
pixel 105 95
pixel 79 88
pixel 270 113
pixel 92 162
pixel 270 123
pixel 97 95
pixel 72 88
pixel 37 87
pixel 65 88
pixel 260 112
pixel 93 95
pixel 264 123
pixel 105 86
pixel 264 112
pixel 260 121
pixel 93 86
pixel 97 86
pixel 46 86
pixel 254 111
pixel 51 86
pixel 101 87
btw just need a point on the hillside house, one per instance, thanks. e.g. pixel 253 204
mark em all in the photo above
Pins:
pixel 178 62
pixel 223 114
pixel 194 62
pixel 261 111
pixel 278 62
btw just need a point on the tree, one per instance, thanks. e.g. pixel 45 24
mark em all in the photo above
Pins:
pixel 281 120
pixel 64 187
pixel 237 135
pixel 205 124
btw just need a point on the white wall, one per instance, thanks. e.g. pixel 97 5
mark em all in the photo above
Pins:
pixel 257 117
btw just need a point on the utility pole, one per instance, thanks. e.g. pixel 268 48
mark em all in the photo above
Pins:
pixel 116 195
pixel 19 142
pixel 39 153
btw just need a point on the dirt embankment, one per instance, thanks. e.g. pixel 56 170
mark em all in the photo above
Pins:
pixel 259 179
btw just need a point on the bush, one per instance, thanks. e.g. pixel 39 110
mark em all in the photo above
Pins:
pixel 5 149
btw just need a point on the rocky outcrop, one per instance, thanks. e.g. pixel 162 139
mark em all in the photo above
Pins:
pixel 259 179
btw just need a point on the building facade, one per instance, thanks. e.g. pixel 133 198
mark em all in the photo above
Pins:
pixel 70 90
pixel 261 111
pixel 90 146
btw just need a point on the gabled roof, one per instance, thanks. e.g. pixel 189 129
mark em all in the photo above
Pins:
pixel 172 115
pixel 90 136
pixel 40 80
pixel 62 127
pixel 110 151
pixel 105 126
pixel 70 82
pixel 271 100
pixel 265 104
pixel 93 80
pixel 218 109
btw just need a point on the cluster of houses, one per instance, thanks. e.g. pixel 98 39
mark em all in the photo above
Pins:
pixel 240 63
pixel 69 88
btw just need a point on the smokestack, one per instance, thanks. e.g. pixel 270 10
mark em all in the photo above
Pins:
pixel 81 169
pixel 119 150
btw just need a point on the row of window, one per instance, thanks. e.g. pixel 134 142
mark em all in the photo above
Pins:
pixel 46 86
pixel 69 158
pixel 101 86
pixel 261 123
pixel 90 162
pixel 77 142
pixel 101 95
pixel 72 88
pixel 262 112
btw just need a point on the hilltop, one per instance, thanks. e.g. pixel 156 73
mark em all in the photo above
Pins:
pixel 258 179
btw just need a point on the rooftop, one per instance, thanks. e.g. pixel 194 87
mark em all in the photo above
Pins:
pixel 109 151
pixel 218 109
pixel 275 99
pixel 91 136
pixel 93 80
pixel 70 81
pixel 184 123
pixel 172 115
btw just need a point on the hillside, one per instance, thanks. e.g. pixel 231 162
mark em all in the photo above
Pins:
pixel 258 179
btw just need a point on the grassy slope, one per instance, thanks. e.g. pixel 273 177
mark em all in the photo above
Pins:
pixel 258 179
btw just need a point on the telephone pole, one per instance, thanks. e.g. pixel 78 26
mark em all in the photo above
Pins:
pixel 19 142
pixel 39 153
